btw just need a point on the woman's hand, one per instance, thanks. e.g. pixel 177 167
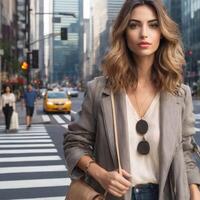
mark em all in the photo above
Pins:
pixel 115 183
pixel 194 192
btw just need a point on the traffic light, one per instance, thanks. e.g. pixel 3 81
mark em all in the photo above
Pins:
pixel 24 65
pixel 64 33
pixel 35 59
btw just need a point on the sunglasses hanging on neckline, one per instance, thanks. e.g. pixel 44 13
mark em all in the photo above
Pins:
pixel 142 128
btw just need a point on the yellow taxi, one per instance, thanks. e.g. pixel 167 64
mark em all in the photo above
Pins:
pixel 56 101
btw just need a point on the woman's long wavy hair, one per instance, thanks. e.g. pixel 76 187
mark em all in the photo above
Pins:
pixel 119 66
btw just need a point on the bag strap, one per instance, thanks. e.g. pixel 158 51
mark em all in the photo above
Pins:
pixel 115 131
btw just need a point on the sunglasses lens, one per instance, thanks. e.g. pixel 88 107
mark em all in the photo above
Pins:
pixel 141 127
pixel 143 148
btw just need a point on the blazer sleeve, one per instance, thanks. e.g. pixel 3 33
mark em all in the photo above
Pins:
pixel 79 139
pixel 193 172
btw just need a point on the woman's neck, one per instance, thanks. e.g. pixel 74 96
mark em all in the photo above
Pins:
pixel 144 66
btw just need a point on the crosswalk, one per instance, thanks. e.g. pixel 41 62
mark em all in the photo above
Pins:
pixel 61 119
pixel 30 166
pixel 197 122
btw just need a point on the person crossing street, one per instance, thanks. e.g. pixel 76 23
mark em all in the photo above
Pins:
pixel 29 100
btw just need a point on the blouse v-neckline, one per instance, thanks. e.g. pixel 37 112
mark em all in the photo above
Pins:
pixel 149 109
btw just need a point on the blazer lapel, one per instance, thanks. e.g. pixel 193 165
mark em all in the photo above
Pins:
pixel 169 115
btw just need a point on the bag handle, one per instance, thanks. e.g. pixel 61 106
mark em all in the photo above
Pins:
pixel 116 132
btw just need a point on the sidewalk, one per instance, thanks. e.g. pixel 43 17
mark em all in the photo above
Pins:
pixel 37 119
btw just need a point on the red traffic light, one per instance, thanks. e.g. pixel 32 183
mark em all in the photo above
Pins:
pixel 24 65
pixel 190 52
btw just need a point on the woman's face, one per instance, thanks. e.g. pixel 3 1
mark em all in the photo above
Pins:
pixel 7 89
pixel 143 32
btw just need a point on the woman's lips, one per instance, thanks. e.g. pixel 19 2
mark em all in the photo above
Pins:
pixel 144 44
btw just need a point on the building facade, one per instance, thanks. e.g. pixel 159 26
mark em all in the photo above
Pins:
pixel 187 15
pixel 8 38
pixel 191 37
pixel 66 55
pixel 103 14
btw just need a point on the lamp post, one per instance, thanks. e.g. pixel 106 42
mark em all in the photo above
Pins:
pixel 53 34
pixel 28 42
pixel 57 13
pixel 1 54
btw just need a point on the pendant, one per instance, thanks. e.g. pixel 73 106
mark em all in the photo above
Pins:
pixel 141 127
pixel 143 147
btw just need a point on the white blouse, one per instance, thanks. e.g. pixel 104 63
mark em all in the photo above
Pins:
pixel 8 99
pixel 144 168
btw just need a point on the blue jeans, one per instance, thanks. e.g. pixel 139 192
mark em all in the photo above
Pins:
pixel 148 191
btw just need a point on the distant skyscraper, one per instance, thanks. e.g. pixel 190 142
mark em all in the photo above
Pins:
pixel 114 7
pixel 191 36
pixel 66 54
pixel 174 10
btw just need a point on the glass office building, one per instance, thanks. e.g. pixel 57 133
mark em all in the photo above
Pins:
pixel 191 38
pixel 187 15
pixel 114 7
pixel 66 54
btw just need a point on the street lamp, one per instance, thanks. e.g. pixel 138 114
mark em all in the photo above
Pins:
pixel 1 54
pixel 63 31
pixel 57 13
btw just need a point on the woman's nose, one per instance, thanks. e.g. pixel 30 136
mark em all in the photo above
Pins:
pixel 144 31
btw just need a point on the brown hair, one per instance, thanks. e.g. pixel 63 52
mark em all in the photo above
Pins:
pixel 119 66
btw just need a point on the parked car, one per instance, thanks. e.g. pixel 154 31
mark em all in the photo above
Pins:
pixel 72 92
pixel 56 101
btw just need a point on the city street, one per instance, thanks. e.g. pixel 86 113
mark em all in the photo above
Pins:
pixel 32 163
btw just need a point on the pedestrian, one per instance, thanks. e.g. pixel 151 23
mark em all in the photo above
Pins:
pixel 30 96
pixel 8 105
pixel 154 115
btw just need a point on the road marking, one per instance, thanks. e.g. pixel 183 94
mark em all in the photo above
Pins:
pixel 25 137
pixel 65 126
pixel 21 134
pixel 58 119
pixel 25 145
pixel 68 117
pixel 32 131
pixel 46 168
pixel 35 183
pixel 197 129
pixel 23 126
pixel 46 118
pixel 197 116
pixel 45 198
pixel 26 141
pixel 74 112
pixel 28 151
pixel 29 158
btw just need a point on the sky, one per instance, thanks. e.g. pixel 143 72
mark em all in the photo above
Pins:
pixel 86 8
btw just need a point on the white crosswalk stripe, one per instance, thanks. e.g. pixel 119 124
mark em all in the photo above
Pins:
pixel 31 156
pixel 197 122
pixel 57 118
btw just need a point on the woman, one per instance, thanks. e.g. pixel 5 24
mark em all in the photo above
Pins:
pixel 153 108
pixel 8 104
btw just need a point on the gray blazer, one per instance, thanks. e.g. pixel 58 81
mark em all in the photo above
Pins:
pixel 93 135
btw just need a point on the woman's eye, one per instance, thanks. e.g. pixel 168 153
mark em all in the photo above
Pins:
pixel 132 25
pixel 154 25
